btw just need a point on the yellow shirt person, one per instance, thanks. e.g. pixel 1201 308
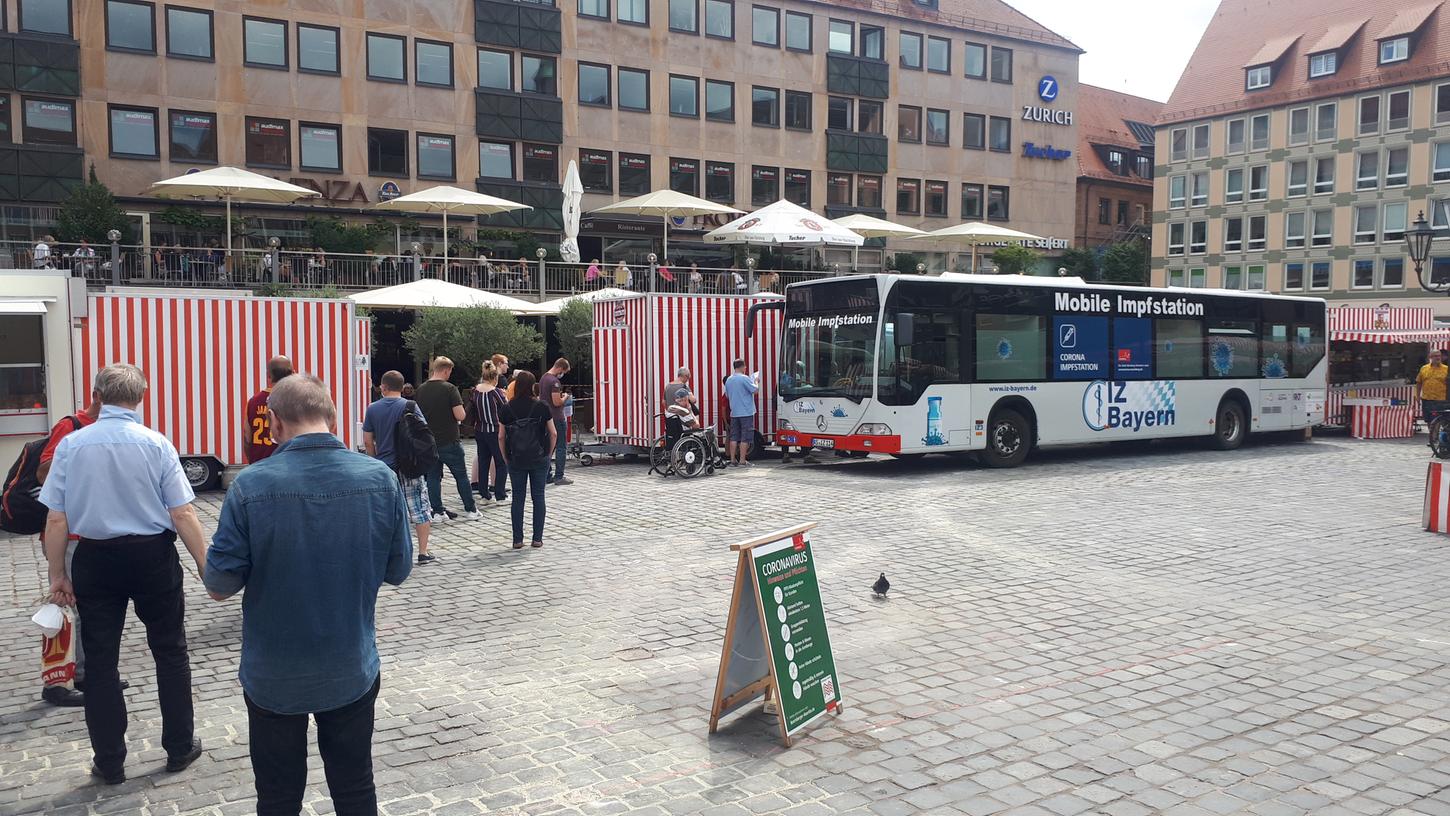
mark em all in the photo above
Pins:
pixel 1431 379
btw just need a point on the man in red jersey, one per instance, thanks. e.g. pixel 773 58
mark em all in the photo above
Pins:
pixel 257 441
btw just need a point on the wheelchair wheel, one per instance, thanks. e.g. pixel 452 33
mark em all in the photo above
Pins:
pixel 659 457
pixel 689 457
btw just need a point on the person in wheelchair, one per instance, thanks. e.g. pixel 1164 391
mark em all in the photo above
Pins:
pixel 682 422
pixel 681 418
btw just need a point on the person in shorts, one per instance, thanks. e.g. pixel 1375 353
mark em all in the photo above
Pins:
pixel 380 425
pixel 740 389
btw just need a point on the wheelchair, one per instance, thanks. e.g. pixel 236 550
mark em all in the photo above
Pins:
pixel 686 453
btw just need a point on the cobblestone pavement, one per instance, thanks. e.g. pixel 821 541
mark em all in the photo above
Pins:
pixel 1141 630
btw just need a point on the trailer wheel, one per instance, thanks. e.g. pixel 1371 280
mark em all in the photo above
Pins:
pixel 586 459
pixel 201 474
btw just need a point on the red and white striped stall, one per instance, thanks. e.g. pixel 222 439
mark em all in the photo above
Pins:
pixel 205 356
pixel 1380 410
pixel 640 341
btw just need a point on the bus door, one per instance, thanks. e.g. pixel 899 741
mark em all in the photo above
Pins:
pixel 922 378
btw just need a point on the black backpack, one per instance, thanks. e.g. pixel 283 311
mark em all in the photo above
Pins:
pixel 20 508
pixel 524 442
pixel 414 452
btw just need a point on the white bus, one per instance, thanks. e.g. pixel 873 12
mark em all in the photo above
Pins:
pixel 908 365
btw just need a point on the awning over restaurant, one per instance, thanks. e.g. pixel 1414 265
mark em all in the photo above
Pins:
pixel 1428 336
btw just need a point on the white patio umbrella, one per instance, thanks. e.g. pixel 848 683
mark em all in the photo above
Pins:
pixel 869 226
pixel 573 199
pixel 228 183
pixel 429 292
pixel 608 293
pixel 973 233
pixel 445 199
pixel 784 223
pixel 667 204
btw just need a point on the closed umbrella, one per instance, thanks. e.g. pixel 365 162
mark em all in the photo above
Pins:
pixel 667 204
pixel 974 233
pixel 868 226
pixel 573 198
pixel 445 199
pixel 784 223
pixel 228 183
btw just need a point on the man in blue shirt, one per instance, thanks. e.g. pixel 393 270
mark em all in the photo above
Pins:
pixel 119 486
pixel 311 532
pixel 740 390
pixel 380 429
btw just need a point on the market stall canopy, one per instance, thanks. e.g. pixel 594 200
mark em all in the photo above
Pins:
pixel 445 199
pixel 785 224
pixel 231 184
pixel 666 204
pixel 430 292
pixel 1421 336
pixel 609 293
pixel 868 226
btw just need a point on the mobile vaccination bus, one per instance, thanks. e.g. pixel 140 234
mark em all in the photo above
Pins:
pixel 908 365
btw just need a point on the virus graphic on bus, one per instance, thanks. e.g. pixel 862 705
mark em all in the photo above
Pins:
pixel 1274 368
pixel 1221 355
pixel 838 412
pixel 1004 349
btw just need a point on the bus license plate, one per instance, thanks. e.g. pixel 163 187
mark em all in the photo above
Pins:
pixel 822 443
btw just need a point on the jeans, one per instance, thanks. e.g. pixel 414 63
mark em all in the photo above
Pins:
pixel 345 740
pixel 561 450
pixel 531 479
pixel 488 451
pixel 108 575
pixel 452 456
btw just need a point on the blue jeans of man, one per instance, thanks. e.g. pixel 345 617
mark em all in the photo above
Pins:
pixel 528 480
pixel 489 451
pixel 561 450
pixel 452 456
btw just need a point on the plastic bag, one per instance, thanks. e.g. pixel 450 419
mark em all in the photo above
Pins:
pixel 58 652
pixel 50 619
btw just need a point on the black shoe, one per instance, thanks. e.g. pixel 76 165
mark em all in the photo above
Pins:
pixel 81 685
pixel 451 515
pixel 62 696
pixel 181 763
pixel 425 558
pixel 111 779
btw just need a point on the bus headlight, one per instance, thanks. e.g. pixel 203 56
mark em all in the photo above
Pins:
pixel 783 425
pixel 873 429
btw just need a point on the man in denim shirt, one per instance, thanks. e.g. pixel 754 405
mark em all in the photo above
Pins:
pixel 311 532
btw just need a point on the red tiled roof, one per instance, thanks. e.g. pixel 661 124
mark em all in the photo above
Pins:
pixel 1272 51
pixel 1102 117
pixel 1408 21
pixel 1335 38
pixel 1213 82
pixel 984 16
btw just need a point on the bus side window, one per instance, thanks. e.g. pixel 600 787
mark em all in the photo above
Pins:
pixel 1276 355
pixel 1308 349
pixel 1178 347
pixel 1233 349
pixel 933 356
pixel 1011 347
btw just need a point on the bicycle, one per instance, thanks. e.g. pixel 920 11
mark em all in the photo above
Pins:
pixel 1439 431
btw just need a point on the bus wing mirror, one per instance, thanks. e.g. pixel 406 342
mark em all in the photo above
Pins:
pixel 905 329
pixel 750 314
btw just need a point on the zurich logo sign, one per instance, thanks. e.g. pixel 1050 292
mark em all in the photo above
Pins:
pixel 1047 89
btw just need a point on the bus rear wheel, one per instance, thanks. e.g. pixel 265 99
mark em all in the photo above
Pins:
pixel 1228 426
pixel 1009 438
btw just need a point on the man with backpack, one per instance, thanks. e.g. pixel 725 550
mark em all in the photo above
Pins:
pixel 395 432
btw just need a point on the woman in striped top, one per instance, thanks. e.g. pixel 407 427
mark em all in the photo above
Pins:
pixel 487 399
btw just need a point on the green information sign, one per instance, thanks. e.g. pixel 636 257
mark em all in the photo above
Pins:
pixel 795 628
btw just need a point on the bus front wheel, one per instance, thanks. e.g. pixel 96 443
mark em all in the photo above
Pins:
pixel 1228 427
pixel 1009 438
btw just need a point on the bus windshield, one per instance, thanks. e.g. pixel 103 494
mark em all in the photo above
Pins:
pixel 829 347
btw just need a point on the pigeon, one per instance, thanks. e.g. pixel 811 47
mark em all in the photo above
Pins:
pixel 881 586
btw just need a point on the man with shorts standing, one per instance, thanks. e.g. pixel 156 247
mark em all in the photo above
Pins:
pixel 380 427
pixel 256 427
pixel 740 389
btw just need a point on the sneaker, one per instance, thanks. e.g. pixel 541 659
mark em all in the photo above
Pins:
pixel 426 558
pixel 440 518
pixel 563 480
pixel 180 763
pixel 472 516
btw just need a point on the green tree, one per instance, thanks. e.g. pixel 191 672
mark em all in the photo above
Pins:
pixel 1126 262
pixel 89 213
pixel 337 235
pixel 576 341
pixel 904 262
pixel 1080 262
pixel 1015 259
pixel 469 336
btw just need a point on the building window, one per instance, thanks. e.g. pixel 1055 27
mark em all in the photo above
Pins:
pixel 1178 192
pixel 1258 232
pixel 264 43
pixel 133 133
pixel 1319 275
pixel 1321 65
pixel 591 8
pixel 1233 277
pixel 540 163
pixel 495 70
pixel 838 189
pixel 719 100
pixel 841 38
pixel 317 49
pixel 1439 271
pixel 1393 222
pixel 1440 170
pixel 1259 182
pixel 1235 141
pixel 1367 170
pixel 1175 238
pixel 798 110
pixel 974 131
pixel 764 107
pixel 868 192
pixel 1442 104
pixel 870 117
pixel 1398 111
pixel 595 167
pixel 798 31
pixel 193 137
pixel 720 19
pixel 1199 187
pixel 938 55
pixel 765 26
pixel 1233 186
pixel 909 44
pixel 1200 141
pixel 1294 230
pixel 433 63
pixel 435 157
pixel 594 85
pixel 1105 211
pixel 633 174
pixel 269 143
pixel 1233 235
pixel 1396 50
pixel 873 42
pixel 635 12
pixel 972 195
pixel 385 58
pixel 633 89
pixel 1259 132
pixel 1175 277
pixel 1324 175
pixel 1298 178
pixel 496 160
pixel 1369 115
pixel 976 61
pixel 1392 273
pixel 936 199
pixel 1326 119
pixel 839 113
pixel 1260 76
pixel 938 127
pixel 1365 216
pixel 720 182
pixel 1397 167
pixel 908 124
pixel 1001 64
pixel 998 201
pixel 1178 140
pixel 684 96
pixel 45 17
pixel 764 185
pixel 1322 222
pixel 1198 237
pixel 1001 134
pixel 1299 126
pixel 1294 276
pixel 798 187
pixel 684 16
pixel 189 33
pixel 1198 277
pixel 539 74
pixel 908 197
pixel 1115 163
pixel 387 152
pixel 1255 279
pixel 319 147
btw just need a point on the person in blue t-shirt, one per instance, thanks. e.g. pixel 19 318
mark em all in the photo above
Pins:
pixel 740 389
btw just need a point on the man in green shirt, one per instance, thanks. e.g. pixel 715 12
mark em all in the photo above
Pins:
pixel 442 407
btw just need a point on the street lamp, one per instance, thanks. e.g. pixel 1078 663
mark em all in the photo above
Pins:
pixel 1417 241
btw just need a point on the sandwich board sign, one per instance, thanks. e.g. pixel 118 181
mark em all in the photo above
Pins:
pixel 776 643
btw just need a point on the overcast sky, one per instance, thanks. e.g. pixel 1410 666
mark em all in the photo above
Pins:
pixel 1134 46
